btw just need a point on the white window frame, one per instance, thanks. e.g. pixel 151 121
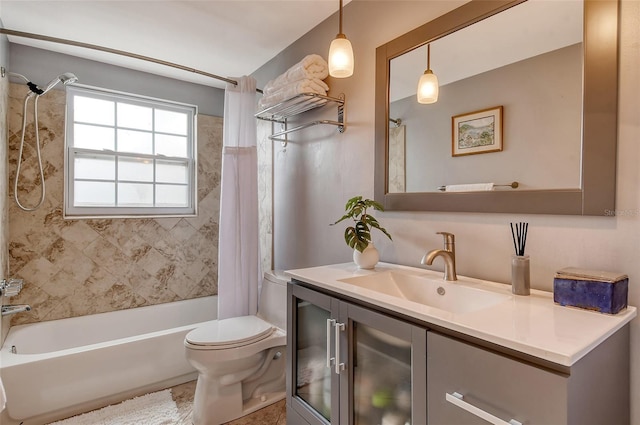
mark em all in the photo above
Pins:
pixel 73 212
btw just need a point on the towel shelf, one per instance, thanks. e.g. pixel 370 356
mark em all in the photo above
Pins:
pixel 283 111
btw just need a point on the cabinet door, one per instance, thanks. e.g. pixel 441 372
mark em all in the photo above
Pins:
pixel 312 387
pixel 384 380
pixel 470 385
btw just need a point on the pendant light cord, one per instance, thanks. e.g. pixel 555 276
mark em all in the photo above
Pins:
pixel 340 15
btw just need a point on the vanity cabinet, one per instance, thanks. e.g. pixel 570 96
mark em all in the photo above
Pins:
pixel 468 383
pixel 352 365
pixel 352 362
pixel 471 385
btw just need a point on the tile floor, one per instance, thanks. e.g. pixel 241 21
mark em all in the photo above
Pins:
pixel 271 415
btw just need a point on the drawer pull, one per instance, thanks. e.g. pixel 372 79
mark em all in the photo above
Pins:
pixel 458 400
pixel 330 360
pixel 338 366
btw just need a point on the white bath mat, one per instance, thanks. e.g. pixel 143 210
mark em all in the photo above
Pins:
pixel 152 409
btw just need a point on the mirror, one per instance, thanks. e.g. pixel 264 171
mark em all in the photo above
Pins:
pixel 551 100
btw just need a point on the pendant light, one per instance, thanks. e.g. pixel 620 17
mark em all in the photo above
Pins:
pixel 428 84
pixel 340 54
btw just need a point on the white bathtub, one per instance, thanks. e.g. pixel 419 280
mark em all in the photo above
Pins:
pixel 68 366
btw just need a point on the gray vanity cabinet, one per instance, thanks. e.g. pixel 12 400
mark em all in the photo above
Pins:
pixel 351 365
pixel 467 383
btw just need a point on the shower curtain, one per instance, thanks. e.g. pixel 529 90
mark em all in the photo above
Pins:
pixel 238 257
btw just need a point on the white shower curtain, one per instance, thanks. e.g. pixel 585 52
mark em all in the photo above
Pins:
pixel 238 257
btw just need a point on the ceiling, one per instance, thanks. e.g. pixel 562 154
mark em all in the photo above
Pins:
pixel 227 38
pixel 529 29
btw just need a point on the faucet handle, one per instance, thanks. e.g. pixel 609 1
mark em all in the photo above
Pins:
pixel 11 288
pixel 449 238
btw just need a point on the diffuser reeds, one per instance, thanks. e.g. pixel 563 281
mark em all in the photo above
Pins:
pixel 519 237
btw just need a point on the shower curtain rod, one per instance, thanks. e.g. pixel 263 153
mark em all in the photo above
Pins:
pixel 115 52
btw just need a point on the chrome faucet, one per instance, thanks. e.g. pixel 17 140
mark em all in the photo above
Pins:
pixel 11 287
pixel 14 308
pixel 448 254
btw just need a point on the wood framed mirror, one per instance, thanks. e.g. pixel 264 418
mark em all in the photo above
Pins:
pixel 595 168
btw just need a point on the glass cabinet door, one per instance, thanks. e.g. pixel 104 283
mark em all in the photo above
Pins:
pixel 313 388
pixel 387 370
pixel 351 365
pixel 313 377
pixel 381 378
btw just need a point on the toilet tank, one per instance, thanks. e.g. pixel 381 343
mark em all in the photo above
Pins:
pixel 272 305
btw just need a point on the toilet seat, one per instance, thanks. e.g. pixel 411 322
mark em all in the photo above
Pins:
pixel 230 333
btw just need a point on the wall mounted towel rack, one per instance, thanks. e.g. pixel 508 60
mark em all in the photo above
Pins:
pixel 283 111
pixel 512 185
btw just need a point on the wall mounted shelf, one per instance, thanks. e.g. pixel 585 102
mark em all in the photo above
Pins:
pixel 283 111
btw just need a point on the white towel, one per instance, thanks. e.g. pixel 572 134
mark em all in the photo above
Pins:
pixel 473 187
pixel 310 67
pixel 290 90
pixel 3 396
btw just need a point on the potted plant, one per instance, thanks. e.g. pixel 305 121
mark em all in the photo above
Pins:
pixel 358 236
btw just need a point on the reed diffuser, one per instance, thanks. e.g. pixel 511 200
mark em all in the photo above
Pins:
pixel 520 269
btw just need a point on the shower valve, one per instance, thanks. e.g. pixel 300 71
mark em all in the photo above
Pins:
pixel 11 287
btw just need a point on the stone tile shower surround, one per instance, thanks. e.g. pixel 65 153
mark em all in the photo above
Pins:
pixel 4 220
pixel 79 267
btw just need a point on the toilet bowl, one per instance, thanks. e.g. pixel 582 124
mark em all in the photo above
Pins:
pixel 241 360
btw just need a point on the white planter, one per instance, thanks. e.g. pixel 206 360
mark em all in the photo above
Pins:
pixel 368 258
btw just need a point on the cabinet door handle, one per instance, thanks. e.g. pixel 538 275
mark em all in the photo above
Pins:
pixel 330 360
pixel 458 399
pixel 339 366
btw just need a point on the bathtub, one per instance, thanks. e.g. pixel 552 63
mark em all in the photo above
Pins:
pixel 64 367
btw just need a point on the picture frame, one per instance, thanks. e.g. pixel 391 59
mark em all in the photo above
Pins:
pixel 477 132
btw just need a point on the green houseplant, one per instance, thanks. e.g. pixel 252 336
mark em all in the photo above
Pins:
pixel 358 236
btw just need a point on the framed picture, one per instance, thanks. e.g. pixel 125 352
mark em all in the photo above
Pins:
pixel 477 132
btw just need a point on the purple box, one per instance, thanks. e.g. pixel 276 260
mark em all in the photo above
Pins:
pixel 605 292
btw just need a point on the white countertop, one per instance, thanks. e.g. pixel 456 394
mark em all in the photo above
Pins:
pixel 532 324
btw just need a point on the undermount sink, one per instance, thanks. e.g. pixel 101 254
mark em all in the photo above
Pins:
pixel 453 297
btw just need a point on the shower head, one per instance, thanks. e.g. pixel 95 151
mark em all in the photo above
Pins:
pixel 66 78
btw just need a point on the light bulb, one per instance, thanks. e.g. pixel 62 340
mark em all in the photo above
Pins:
pixel 341 57
pixel 428 88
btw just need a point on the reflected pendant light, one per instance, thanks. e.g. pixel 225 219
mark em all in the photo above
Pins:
pixel 428 84
pixel 340 54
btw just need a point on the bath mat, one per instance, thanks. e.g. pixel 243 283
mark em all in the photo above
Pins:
pixel 151 409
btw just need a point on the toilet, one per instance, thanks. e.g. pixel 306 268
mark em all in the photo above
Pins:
pixel 241 360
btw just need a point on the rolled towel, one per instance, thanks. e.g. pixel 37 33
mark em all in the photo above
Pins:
pixel 473 187
pixel 295 88
pixel 310 67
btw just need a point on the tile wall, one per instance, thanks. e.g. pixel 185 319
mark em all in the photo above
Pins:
pixel 78 267
pixel 4 261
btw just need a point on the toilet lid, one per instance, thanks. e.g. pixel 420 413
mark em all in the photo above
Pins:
pixel 233 331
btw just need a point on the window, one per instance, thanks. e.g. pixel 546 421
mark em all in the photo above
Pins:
pixel 128 155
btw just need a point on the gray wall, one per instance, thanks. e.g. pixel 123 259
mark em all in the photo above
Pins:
pixel 320 168
pixel 315 175
pixel 41 66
